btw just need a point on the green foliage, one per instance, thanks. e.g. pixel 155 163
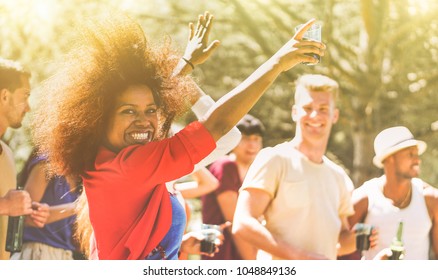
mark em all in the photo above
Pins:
pixel 383 54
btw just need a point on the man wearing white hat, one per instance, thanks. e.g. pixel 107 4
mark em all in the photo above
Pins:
pixel 399 195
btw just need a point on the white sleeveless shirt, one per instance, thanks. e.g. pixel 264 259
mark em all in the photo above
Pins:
pixel 386 217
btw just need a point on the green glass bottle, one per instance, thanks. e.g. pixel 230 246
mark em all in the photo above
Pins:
pixel 14 237
pixel 397 246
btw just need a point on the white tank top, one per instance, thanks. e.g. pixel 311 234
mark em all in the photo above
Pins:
pixel 386 217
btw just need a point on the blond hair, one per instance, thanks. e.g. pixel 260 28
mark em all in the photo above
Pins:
pixel 316 83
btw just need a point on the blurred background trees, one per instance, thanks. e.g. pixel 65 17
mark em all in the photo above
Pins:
pixel 383 53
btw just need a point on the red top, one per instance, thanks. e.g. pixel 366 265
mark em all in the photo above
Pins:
pixel 128 201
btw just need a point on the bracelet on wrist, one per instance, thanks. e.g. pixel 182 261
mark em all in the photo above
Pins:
pixel 189 63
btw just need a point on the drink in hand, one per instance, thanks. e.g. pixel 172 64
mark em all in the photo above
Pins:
pixel 397 246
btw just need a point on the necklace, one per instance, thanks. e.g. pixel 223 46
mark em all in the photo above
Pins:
pixel 405 200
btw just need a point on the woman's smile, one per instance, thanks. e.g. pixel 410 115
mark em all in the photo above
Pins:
pixel 134 119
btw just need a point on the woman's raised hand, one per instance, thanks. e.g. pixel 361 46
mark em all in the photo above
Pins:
pixel 197 50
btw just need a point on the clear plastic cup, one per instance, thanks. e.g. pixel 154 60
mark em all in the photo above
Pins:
pixel 313 33
pixel 211 233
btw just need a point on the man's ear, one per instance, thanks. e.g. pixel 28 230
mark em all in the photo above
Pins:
pixel 4 95
pixel 335 117
pixel 388 160
pixel 294 113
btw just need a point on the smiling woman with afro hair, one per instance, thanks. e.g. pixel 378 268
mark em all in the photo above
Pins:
pixel 104 116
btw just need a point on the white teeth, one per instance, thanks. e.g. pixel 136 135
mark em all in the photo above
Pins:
pixel 141 136
pixel 314 125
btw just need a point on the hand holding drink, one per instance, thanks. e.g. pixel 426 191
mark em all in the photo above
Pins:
pixel 397 246
pixel 211 233
pixel 296 51
pixel 363 234
pixel 313 33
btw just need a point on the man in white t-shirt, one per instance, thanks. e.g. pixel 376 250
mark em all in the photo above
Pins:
pixel 398 195
pixel 303 196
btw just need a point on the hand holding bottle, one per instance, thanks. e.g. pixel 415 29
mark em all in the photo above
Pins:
pixel 17 203
pixel 397 246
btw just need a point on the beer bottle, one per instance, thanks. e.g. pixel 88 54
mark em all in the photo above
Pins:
pixel 397 246
pixel 14 237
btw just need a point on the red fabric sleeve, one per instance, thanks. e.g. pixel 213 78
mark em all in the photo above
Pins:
pixel 129 204
pixel 169 159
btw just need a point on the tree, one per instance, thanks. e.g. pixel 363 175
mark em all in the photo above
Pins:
pixel 383 53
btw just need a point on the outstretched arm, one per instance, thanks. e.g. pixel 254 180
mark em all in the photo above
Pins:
pixel 235 104
pixel 197 51
pixel 226 143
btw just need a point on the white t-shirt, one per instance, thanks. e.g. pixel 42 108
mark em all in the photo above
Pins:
pixel 308 199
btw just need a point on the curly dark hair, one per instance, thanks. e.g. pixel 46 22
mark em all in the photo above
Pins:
pixel 75 104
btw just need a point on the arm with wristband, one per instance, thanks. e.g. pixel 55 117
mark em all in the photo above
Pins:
pixel 197 52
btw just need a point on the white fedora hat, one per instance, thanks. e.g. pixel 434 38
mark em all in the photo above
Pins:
pixel 392 140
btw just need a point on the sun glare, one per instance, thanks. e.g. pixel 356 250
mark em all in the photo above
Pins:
pixel 44 9
pixel 41 9
pixel 418 6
